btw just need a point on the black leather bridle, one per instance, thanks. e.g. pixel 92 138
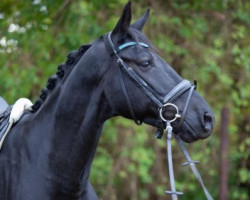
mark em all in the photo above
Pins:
pixel 164 104
pixel 160 101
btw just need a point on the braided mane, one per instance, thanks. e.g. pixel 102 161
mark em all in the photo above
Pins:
pixel 62 70
pixel 72 59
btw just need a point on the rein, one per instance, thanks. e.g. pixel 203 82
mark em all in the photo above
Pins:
pixel 164 104
pixel 189 162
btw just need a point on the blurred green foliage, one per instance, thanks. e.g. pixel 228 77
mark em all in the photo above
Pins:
pixel 204 40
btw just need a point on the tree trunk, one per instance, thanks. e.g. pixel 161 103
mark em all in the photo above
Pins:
pixel 224 144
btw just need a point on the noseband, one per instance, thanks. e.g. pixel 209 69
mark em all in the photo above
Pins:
pixel 164 104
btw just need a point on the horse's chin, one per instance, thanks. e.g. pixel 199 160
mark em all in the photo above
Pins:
pixel 187 134
pixel 187 138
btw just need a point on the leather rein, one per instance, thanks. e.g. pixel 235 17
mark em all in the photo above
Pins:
pixel 164 104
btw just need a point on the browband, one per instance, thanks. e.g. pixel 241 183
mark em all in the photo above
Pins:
pixel 128 44
pixel 178 90
pixel 111 48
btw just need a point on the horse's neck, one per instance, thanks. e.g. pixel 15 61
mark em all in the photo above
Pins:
pixel 75 126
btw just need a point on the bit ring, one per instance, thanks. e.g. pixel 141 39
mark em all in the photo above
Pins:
pixel 177 115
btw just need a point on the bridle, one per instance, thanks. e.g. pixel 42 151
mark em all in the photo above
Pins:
pixel 160 101
pixel 164 104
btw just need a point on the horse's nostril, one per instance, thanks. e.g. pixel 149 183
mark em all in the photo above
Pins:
pixel 207 129
pixel 208 122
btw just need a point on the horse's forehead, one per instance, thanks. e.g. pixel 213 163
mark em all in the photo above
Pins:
pixel 135 52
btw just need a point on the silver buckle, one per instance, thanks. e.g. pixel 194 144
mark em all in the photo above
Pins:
pixel 177 115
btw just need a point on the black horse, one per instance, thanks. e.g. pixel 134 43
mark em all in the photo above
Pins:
pixel 48 154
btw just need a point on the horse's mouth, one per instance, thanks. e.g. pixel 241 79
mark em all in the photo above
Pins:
pixel 189 135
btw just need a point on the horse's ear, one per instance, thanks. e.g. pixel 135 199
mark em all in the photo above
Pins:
pixel 123 24
pixel 139 24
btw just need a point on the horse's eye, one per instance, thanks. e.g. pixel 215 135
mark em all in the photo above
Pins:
pixel 145 63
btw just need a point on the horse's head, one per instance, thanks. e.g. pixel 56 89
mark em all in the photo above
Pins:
pixel 138 82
